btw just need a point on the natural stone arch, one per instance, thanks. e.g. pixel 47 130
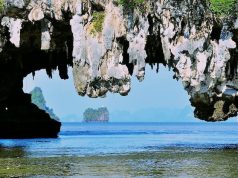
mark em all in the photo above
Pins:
pixel 41 35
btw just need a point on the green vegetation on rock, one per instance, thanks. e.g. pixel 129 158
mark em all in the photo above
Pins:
pixel 1 6
pixel 97 22
pixel 96 115
pixel 132 4
pixel 38 99
pixel 223 8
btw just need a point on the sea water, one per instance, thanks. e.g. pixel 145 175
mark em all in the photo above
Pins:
pixel 126 150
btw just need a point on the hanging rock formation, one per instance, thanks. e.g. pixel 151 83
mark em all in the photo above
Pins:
pixel 106 43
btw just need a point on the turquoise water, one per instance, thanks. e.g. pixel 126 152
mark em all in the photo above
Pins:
pixel 126 150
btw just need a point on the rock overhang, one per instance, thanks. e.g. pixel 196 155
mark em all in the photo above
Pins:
pixel 106 43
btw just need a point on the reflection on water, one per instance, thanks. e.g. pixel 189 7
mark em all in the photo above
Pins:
pixel 129 150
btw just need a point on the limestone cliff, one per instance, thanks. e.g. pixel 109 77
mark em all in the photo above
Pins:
pixel 107 42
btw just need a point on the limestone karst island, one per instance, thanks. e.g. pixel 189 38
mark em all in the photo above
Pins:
pixel 96 115
pixel 106 42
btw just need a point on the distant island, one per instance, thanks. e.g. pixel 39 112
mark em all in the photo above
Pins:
pixel 96 115
pixel 38 99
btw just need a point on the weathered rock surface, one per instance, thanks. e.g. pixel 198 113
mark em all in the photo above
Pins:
pixel 107 43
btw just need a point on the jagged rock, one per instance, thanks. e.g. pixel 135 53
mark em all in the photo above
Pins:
pixel 106 43
pixel 14 26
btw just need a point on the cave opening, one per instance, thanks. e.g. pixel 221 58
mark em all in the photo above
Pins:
pixel 158 98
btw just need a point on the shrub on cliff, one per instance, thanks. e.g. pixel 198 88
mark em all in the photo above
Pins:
pixel 131 4
pixel 223 8
pixel 97 22
pixel 1 6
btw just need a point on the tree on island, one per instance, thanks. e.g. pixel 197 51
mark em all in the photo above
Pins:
pixel 96 115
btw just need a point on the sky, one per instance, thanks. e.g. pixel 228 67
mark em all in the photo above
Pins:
pixel 159 98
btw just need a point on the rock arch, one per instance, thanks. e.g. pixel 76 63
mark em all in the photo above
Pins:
pixel 106 44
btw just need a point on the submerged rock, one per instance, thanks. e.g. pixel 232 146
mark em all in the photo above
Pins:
pixel 107 43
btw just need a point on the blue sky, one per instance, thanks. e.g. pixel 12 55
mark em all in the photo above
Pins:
pixel 159 98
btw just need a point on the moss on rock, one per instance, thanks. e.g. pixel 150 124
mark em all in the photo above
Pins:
pixel 97 23
pixel 1 6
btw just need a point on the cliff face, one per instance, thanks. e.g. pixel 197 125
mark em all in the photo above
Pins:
pixel 107 43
